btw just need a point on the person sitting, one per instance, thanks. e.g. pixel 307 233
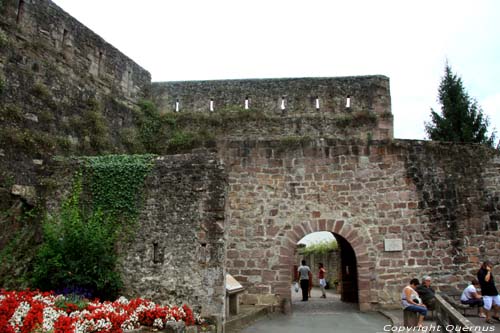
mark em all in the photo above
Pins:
pixel 427 293
pixel 412 302
pixel 472 297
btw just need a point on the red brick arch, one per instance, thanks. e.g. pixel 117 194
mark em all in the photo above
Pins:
pixel 355 238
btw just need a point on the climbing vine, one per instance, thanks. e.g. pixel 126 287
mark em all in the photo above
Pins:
pixel 116 183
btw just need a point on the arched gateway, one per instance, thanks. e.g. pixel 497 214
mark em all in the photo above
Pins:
pixel 355 276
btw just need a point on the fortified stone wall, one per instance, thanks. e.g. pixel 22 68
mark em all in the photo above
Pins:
pixel 63 89
pixel 441 201
pixel 301 106
pixel 177 254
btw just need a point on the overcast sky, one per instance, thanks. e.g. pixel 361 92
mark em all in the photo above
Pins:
pixel 408 41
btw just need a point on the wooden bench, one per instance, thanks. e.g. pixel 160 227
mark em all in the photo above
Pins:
pixel 453 298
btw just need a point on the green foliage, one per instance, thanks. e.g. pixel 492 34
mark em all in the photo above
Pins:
pixel 78 250
pixel 356 119
pixel 2 83
pixel 116 183
pixel 129 136
pixel 3 37
pixel 70 301
pixel 319 248
pixel 293 142
pixel 40 90
pixel 10 113
pixel 27 140
pixel 181 140
pixel 461 118
pixel 168 133
pixel 150 126
pixel 20 236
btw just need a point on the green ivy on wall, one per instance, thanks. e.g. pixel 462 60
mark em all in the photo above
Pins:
pixel 116 183
pixel 78 250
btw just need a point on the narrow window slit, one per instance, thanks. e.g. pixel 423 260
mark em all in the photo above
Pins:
pixel 156 256
pixel 211 104
pixel 317 103
pixel 283 104
pixel 348 102
pixel 20 11
pixel 177 105
pixel 99 62
pixel 64 38
pixel 247 103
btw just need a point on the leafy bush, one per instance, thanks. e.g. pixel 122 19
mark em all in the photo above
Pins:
pixel 78 250
pixel 319 248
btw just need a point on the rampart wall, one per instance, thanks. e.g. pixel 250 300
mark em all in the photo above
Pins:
pixel 296 102
pixel 178 252
pixel 63 89
pixel 439 201
pixel 305 164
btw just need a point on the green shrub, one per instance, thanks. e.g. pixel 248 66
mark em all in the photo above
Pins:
pixel 2 84
pixel 72 302
pixel 319 248
pixel 78 250
pixel 3 37
pixel 40 90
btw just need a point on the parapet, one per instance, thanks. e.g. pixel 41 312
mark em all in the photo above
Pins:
pixel 287 95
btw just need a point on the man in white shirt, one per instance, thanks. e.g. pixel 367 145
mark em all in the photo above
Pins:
pixel 472 297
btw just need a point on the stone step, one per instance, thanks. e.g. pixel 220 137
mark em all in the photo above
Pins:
pixel 248 314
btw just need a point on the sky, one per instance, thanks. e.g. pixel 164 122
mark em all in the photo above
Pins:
pixel 408 41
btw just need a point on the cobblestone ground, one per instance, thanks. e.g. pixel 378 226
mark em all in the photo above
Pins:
pixel 320 315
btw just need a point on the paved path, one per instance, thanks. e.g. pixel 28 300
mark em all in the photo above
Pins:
pixel 320 315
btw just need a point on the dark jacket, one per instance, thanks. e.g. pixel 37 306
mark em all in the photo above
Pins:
pixel 426 294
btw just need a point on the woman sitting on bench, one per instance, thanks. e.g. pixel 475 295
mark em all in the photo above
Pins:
pixel 411 302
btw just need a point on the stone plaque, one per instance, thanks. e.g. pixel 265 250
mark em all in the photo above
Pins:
pixel 391 245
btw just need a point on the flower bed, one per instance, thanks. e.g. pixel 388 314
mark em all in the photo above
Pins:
pixel 34 311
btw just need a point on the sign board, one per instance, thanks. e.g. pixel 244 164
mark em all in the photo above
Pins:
pixel 232 285
pixel 392 245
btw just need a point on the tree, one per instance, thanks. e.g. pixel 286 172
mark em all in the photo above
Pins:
pixel 461 118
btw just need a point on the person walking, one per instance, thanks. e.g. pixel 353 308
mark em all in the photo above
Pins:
pixel 322 280
pixel 303 277
pixel 489 291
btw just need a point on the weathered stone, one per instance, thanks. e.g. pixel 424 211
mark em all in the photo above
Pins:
pixel 28 193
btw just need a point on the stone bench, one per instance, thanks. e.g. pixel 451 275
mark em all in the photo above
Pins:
pixel 410 318
pixel 453 298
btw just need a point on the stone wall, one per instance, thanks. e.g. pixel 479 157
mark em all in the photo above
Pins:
pixel 177 254
pixel 301 106
pixel 439 200
pixel 63 89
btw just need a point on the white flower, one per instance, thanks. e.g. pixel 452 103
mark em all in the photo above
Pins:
pixel 158 323
pixel 50 316
pixel 17 318
pixel 122 300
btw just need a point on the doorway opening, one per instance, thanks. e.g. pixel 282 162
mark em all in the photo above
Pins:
pixel 338 258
